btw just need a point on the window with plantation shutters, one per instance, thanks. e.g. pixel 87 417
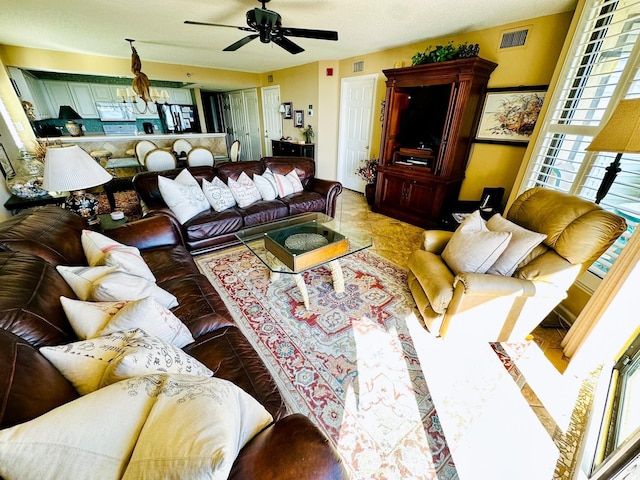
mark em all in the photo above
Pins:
pixel 602 68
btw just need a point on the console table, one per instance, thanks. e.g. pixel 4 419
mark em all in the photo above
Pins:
pixel 283 148
pixel 15 203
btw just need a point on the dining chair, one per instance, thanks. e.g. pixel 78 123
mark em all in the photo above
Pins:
pixel 142 148
pixel 199 156
pixel 234 151
pixel 159 159
pixel 181 148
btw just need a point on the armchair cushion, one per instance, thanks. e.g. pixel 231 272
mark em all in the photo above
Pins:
pixel 434 277
pixel 522 242
pixel 474 252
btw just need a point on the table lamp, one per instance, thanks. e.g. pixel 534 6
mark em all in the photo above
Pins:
pixel 71 169
pixel 68 113
pixel 621 134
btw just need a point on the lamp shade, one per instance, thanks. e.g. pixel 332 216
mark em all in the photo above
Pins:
pixel 69 168
pixel 621 134
pixel 68 113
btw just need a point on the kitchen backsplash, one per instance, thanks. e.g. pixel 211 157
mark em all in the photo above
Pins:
pixel 92 126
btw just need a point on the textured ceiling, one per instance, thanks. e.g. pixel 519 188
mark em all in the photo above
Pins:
pixel 99 27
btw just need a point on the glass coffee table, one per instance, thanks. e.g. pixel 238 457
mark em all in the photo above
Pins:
pixel 302 242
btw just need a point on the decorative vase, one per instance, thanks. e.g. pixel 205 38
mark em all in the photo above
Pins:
pixel 27 180
pixel 370 193
pixel 74 129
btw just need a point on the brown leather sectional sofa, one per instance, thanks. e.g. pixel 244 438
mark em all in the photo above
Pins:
pixel 33 242
pixel 211 230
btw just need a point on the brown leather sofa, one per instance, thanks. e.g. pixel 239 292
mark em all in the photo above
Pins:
pixel 33 242
pixel 211 230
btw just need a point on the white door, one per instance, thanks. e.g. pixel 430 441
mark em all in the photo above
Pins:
pixel 357 98
pixel 238 121
pixel 271 116
pixel 253 138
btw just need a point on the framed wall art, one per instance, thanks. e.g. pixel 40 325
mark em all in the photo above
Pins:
pixel 5 165
pixel 298 118
pixel 288 111
pixel 510 114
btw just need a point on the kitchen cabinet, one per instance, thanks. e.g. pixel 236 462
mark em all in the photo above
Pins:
pixel 281 148
pixel 30 89
pixel 431 115
pixel 178 96
pixel 58 94
pixel 105 93
pixel 83 100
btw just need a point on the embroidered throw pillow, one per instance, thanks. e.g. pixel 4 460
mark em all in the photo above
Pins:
pixel 244 190
pixel 218 194
pixel 93 319
pixel 183 195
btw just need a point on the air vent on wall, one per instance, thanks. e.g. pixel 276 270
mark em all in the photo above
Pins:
pixel 358 66
pixel 514 39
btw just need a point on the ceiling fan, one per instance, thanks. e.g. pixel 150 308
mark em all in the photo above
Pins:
pixel 267 25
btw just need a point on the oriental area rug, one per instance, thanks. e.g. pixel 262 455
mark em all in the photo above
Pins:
pixel 348 362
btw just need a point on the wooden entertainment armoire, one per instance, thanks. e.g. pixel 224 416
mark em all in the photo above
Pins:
pixel 431 114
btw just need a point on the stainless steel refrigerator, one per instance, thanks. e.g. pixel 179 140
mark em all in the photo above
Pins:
pixel 179 118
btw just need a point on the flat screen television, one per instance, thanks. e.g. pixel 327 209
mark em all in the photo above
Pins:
pixel 422 123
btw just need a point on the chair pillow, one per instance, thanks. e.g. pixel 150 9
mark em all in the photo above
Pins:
pixel 474 252
pixel 98 362
pixel 244 190
pixel 183 195
pixel 218 194
pixel 93 319
pixel 102 250
pixel 288 184
pixel 522 242
pixel 153 426
pixel 267 188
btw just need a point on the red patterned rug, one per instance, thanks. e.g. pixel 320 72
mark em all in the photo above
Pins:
pixel 348 362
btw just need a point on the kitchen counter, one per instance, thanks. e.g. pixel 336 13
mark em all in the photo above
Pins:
pixel 119 144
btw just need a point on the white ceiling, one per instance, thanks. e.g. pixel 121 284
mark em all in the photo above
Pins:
pixel 99 27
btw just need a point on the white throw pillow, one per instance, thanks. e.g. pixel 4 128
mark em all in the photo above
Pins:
pixel 288 184
pixel 102 250
pixel 98 362
pixel 91 320
pixel 266 189
pixel 218 194
pixel 81 279
pixel 154 426
pixel 522 242
pixel 118 285
pixel 473 251
pixel 244 190
pixel 183 195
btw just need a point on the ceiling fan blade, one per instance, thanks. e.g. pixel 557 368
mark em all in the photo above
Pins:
pixel 309 33
pixel 243 41
pixel 244 29
pixel 287 44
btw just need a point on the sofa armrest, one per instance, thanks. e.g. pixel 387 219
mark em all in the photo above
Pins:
pixel 434 241
pixel 328 189
pixel 292 448
pixel 149 232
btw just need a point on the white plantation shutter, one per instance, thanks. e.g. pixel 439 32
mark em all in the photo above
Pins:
pixel 602 67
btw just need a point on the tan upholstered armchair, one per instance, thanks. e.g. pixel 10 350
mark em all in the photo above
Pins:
pixel 494 307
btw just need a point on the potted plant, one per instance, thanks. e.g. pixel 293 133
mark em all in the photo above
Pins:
pixel 368 171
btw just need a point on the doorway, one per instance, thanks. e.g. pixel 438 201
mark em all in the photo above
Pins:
pixel 271 116
pixel 357 96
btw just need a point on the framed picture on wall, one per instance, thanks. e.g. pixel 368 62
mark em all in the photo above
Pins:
pixel 5 165
pixel 298 118
pixel 288 111
pixel 510 114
